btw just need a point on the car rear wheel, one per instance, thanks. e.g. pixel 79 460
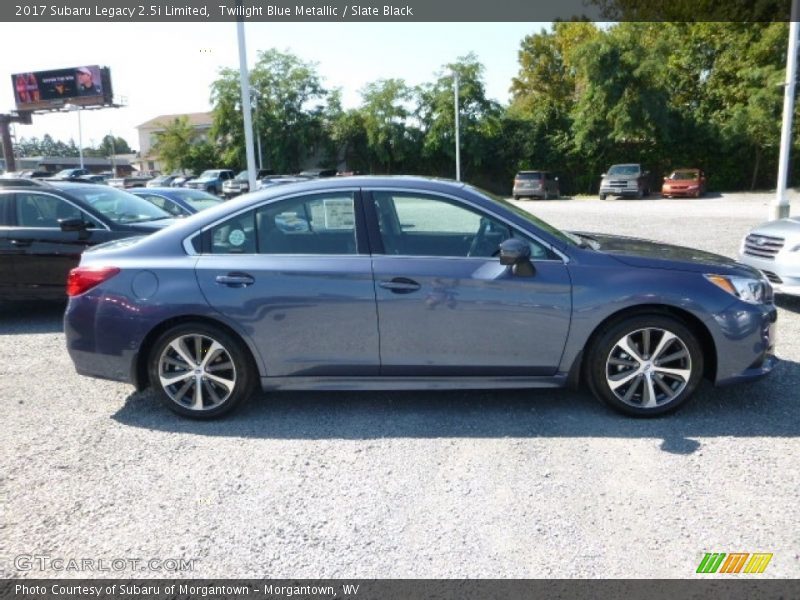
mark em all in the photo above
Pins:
pixel 602 196
pixel 200 370
pixel 645 366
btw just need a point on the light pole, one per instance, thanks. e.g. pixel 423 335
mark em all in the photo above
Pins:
pixel 458 144
pixel 244 82
pixel 780 209
pixel 74 107
pixel 113 154
pixel 257 131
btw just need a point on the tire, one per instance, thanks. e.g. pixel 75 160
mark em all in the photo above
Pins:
pixel 640 194
pixel 230 362
pixel 602 196
pixel 644 387
pixel 516 197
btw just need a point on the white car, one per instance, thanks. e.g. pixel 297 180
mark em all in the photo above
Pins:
pixel 774 249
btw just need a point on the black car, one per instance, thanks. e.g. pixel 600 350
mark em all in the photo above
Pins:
pixel 44 229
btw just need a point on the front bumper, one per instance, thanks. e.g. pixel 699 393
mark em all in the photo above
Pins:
pixel 682 193
pixel 782 271
pixel 619 191
pixel 744 335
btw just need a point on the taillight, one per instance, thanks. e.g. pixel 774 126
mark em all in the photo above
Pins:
pixel 82 279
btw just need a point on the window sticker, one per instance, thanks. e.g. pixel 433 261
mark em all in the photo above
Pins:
pixel 236 237
pixel 339 213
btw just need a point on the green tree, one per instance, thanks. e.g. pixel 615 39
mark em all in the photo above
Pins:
pixel 288 98
pixel 385 110
pixel 480 124
pixel 174 144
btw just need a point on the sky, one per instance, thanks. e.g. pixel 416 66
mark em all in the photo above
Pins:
pixel 161 68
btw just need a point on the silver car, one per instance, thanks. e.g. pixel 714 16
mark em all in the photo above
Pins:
pixel 774 249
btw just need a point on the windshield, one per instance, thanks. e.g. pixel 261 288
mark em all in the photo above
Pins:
pixel 684 175
pixel 197 199
pixel 242 176
pixel 624 170
pixel 208 175
pixel 564 236
pixel 118 206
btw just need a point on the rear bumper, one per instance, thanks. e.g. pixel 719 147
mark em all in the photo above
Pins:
pixel 530 192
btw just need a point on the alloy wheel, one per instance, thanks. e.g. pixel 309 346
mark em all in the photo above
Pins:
pixel 197 372
pixel 648 368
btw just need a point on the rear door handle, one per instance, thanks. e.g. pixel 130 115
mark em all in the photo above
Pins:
pixel 236 280
pixel 20 243
pixel 400 285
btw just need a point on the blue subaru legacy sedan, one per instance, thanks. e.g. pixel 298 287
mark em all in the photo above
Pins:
pixel 369 283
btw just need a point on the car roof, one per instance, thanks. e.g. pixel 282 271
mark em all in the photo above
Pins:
pixel 23 182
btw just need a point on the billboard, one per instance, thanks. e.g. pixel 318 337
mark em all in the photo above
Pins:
pixel 87 85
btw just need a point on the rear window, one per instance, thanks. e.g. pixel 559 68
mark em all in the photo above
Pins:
pixel 530 175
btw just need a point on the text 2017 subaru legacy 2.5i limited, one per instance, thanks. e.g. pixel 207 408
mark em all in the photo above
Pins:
pixel 409 283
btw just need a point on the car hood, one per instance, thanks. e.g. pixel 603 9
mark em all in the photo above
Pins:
pixel 638 252
pixel 781 228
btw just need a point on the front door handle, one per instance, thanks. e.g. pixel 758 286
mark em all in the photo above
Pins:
pixel 20 243
pixel 236 280
pixel 400 285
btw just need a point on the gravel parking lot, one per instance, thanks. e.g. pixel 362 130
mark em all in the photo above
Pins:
pixel 405 484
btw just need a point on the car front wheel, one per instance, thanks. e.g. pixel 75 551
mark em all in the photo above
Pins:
pixel 200 370
pixel 645 366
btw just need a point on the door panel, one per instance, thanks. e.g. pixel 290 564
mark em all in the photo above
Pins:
pixel 45 254
pixel 464 313
pixel 307 315
pixel 290 273
pixel 471 317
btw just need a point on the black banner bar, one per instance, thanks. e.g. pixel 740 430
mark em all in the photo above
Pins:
pixel 202 11
pixel 740 587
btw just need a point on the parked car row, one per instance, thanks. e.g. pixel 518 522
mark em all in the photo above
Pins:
pixel 623 180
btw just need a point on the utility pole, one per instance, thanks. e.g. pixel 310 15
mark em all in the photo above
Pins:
pixel 780 208
pixel 244 79
pixel 458 141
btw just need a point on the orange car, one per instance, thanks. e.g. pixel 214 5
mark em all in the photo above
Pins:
pixel 684 182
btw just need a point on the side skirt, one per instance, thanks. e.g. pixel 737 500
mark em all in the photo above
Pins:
pixel 411 383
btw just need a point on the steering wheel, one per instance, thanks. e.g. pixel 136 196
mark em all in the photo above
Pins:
pixel 480 236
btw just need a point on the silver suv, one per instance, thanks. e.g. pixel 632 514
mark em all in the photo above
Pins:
pixel 625 180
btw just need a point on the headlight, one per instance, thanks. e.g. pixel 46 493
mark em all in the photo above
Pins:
pixel 754 291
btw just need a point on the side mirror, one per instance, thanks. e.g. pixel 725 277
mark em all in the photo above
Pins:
pixel 514 251
pixel 73 224
pixel 666 178
pixel 602 174
pixel 556 178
